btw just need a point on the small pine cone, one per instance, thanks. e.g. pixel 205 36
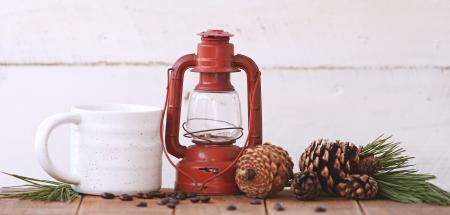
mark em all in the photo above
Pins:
pixel 333 161
pixel 369 165
pixel 358 187
pixel 263 170
pixel 306 186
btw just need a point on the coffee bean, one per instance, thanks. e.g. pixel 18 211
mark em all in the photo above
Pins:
pixel 173 200
pixel 191 194
pixel 180 196
pixel 141 205
pixel 146 196
pixel 320 209
pixel 153 192
pixel 279 207
pixel 139 195
pixel 163 201
pixel 125 197
pixel 255 201
pixel 156 194
pixel 231 207
pixel 171 205
pixel 108 196
pixel 205 199
pixel 159 195
pixel 195 199
pixel 173 195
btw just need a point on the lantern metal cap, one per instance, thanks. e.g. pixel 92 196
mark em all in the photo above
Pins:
pixel 215 53
pixel 215 33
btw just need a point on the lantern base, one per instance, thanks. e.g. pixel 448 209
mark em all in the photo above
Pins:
pixel 204 161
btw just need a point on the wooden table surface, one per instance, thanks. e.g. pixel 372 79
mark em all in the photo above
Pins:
pixel 96 205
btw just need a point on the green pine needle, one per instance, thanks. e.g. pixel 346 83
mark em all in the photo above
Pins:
pixel 41 190
pixel 398 180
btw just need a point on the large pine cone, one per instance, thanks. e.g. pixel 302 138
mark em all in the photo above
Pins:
pixel 358 187
pixel 263 170
pixel 306 186
pixel 332 161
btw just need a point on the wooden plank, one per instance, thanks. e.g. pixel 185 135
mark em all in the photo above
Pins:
pixel 386 207
pixel 370 32
pixel 335 206
pixel 17 206
pixel 218 205
pixel 98 205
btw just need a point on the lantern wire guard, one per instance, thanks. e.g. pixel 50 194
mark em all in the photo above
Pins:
pixel 193 134
pixel 201 185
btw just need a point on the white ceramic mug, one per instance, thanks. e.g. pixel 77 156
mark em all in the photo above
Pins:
pixel 113 148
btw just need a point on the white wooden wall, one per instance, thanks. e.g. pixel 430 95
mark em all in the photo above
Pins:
pixel 347 69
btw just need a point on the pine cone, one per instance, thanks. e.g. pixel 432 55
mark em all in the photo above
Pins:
pixel 358 187
pixel 332 161
pixel 369 165
pixel 263 170
pixel 306 186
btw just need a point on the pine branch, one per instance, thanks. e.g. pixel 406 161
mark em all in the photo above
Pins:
pixel 398 180
pixel 37 189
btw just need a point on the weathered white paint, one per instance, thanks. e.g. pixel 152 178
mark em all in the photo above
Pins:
pixel 339 69
pixel 275 33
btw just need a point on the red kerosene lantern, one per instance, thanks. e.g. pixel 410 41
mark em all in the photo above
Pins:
pixel 214 116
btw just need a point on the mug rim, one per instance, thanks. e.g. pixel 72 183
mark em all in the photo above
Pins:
pixel 115 108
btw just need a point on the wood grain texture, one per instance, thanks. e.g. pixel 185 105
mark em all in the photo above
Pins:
pixel 386 207
pixel 293 206
pixel 22 207
pixel 218 205
pixel 97 205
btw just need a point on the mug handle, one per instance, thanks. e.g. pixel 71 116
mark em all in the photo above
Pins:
pixel 41 146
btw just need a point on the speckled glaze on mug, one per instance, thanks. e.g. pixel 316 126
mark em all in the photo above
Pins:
pixel 113 148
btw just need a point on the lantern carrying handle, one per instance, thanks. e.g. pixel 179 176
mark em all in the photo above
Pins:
pixel 254 97
pixel 175 90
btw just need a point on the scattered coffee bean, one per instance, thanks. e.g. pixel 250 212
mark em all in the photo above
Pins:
pixel 156 194
pixel 108 196
pixel 163 201
pixel 146 196
pixel 153 192
pixel 141 205
pixel 231 207
pixel 125 197
pixel 171 195
pixel 205 199
pixel 191 194
pixel 173 200
pixel 139 195
pixel 195 199
pixel 320 209
pixel 171 205
pixel 279 207
pixel 159 195
pixel 255 201
pixel 181 196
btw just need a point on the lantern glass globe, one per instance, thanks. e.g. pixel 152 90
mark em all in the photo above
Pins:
pixel 214 117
